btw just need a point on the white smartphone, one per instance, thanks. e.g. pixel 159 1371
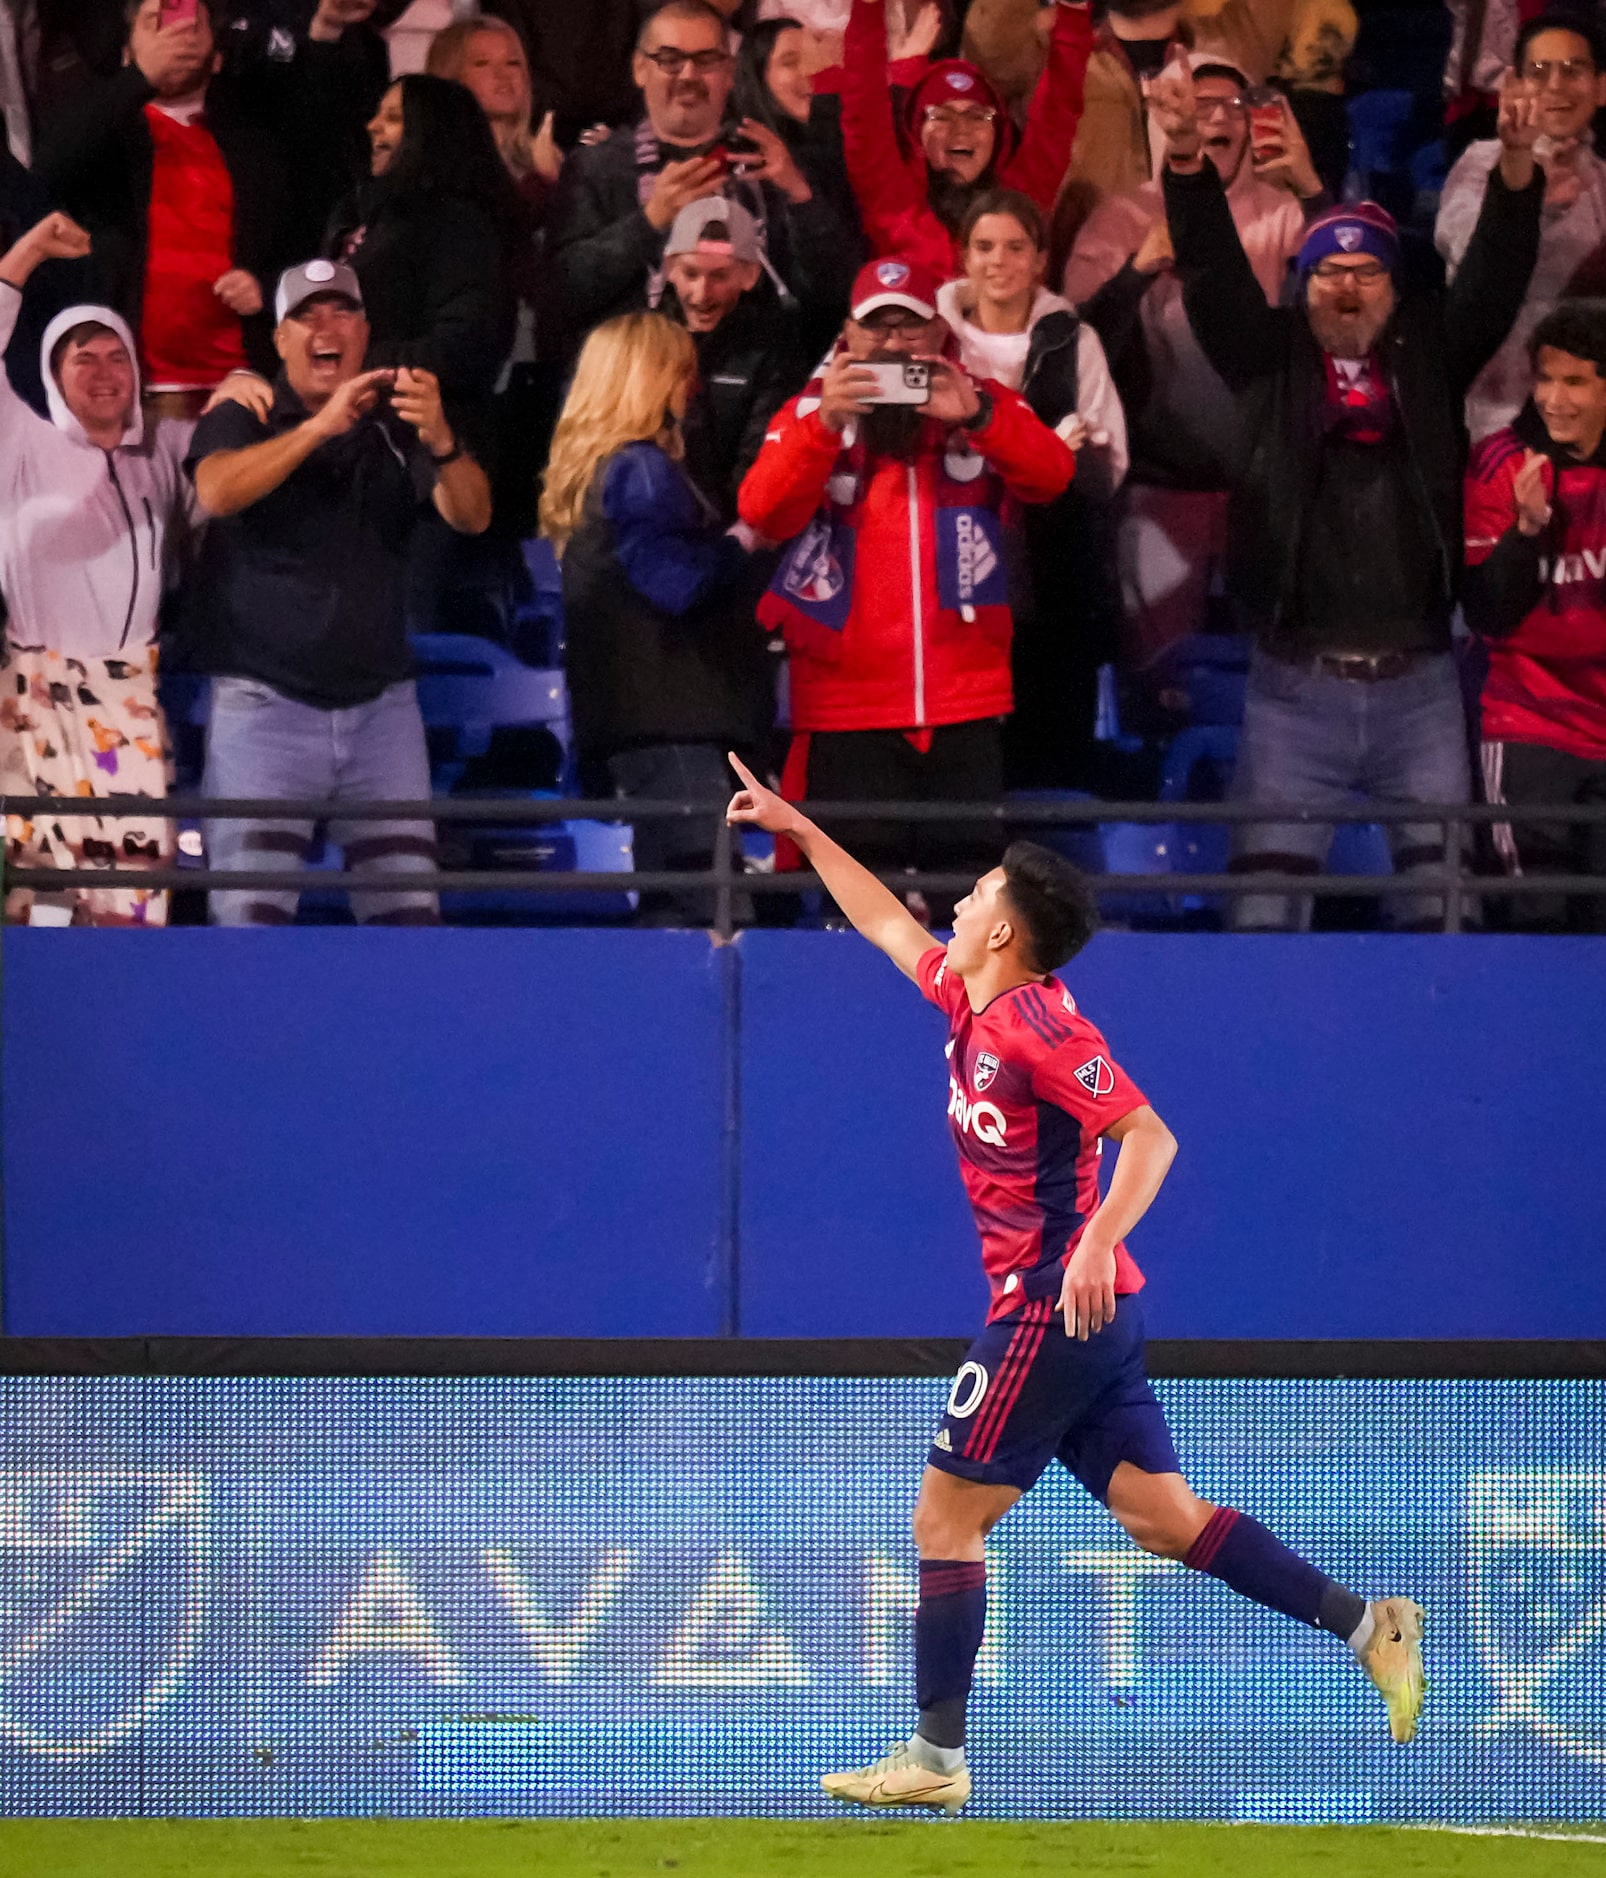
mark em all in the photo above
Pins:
pixel 899 381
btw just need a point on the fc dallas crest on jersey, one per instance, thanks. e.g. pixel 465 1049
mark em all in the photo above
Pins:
pixel 1031 1089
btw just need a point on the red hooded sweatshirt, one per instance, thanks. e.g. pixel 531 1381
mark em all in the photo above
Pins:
pixel 889 175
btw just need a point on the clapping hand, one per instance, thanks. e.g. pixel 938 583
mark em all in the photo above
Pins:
pixel 1531 489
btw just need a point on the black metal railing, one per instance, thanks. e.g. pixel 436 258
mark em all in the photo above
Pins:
pixel 1456 878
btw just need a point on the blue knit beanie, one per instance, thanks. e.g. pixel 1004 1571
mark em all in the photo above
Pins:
pixel 1353 228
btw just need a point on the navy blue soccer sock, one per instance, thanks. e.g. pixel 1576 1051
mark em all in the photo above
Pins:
pixel 949 1622
pixel 1255 1563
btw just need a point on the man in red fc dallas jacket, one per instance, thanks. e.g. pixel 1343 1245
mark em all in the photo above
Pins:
pixel 1536 592
pixel 892 592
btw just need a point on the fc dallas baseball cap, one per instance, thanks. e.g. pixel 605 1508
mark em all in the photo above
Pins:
pixel 894 283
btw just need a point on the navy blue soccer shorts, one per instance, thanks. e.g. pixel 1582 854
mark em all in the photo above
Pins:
pixel 1027 1394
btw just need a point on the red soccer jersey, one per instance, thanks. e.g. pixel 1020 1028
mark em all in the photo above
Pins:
pixel 1031 1088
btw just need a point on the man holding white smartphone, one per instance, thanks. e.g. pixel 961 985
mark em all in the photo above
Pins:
pixel 886 477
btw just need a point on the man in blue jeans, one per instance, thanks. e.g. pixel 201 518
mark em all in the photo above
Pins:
pixel 1344 534
pixel 298 601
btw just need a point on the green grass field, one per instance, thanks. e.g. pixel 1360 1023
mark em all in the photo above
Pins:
pixel 740 1848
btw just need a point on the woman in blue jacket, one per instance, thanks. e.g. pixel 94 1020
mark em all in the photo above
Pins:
pixel 667 669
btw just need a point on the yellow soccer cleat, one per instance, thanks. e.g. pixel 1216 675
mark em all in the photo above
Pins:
pixel 1393 1660
pixel 899 1780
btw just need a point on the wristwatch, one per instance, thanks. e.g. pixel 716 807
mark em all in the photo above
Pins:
pixel 451 455
pixel 982 416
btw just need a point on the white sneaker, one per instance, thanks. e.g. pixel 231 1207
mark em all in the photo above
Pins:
pixel 1393 1660
pixel 898 1779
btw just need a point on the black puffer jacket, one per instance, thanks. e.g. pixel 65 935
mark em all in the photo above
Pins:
pixel 1431 351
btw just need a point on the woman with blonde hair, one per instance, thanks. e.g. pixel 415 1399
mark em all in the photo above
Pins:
pixel 487 55
pixel 667 669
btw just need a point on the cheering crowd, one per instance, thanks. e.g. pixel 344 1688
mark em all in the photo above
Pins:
pixel 887 380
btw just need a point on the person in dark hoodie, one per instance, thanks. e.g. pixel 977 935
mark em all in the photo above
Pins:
pixel 748 359
pixel 958 140
pixel 1536 594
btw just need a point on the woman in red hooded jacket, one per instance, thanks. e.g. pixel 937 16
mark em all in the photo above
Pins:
pixel 959 138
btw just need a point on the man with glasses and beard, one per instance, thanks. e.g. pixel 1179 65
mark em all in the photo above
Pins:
pixel 1344 538
pixel 616 201
pixel 892 592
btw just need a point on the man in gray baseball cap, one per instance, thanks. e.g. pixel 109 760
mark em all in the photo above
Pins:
pixel 747 350
pixel 297 285
pixel 297 608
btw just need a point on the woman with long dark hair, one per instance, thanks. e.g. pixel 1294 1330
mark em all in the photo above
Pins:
pixel 432 235
pixel 774 85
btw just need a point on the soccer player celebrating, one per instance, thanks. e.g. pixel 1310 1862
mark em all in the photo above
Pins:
pixel 1057 1373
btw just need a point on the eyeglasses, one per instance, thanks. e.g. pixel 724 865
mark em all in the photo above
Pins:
pixel 893 320
pixel 1368 274
pixel 1220 107
pixel 1569 71
pixel 670 60
pixel 959 116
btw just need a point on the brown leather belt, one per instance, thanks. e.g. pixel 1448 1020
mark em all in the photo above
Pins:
pixel 1367 667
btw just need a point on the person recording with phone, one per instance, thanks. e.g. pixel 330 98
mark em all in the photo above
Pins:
pixel 297 606
pixel 616 201
pixel 889 479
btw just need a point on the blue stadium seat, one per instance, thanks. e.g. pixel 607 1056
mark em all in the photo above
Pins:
pixel 469 689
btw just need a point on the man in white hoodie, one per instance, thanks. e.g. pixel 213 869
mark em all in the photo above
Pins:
pixel 1182 421
pixel 90 505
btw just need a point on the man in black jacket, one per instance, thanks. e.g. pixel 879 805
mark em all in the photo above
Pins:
pixel 1344 537
pixel 747 352
pixel 120 156
pixel 615 201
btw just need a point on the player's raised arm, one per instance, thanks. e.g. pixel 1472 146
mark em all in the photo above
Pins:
pixel 875 910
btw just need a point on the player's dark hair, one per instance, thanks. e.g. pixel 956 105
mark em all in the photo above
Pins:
pixel 1577 327
pixel 1053 901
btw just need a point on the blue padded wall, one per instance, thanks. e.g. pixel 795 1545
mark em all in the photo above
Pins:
pixel 326 1131
pixel 303 1131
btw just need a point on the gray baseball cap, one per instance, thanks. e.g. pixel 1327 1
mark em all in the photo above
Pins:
pixel 712 225
pixel 311 278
